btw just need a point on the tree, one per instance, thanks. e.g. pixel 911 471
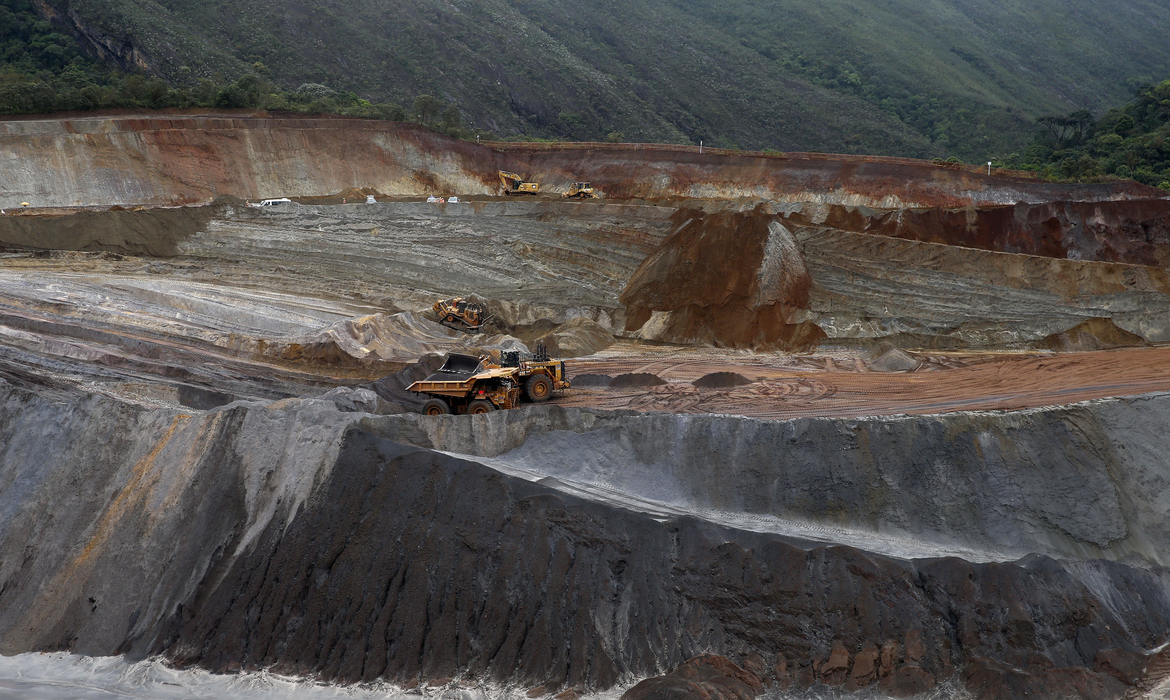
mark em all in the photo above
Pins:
pixel 426 107
pixel 389 112
pixel 1070 130
pixel 245 92
pixel 451 118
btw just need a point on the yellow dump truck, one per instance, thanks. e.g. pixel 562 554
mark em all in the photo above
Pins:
pixel 470 384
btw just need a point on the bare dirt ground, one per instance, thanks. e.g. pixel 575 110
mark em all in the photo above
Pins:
pixel 837 384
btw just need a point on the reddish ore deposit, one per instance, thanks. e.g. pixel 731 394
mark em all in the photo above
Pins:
pixel 730 279
pixel 841 388
pixel 1131 231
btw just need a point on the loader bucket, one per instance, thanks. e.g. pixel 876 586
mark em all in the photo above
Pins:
pixel 456 368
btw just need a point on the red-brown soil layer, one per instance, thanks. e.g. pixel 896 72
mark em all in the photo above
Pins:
pixel 1130 231
pixel 183 159
pixel 730 279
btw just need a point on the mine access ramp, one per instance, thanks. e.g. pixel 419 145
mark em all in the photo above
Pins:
pixel 471 384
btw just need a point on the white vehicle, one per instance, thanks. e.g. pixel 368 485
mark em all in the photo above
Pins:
pixel 370 199
pixel 275 202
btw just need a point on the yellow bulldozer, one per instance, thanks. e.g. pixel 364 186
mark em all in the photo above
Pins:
pixel 514 184
pixel 462 315
pixel 580 190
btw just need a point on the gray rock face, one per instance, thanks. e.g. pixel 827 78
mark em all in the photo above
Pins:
pixel 1080 482
pixel 298 537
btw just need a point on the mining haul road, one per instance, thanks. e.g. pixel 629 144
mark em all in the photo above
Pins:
pixel 840 384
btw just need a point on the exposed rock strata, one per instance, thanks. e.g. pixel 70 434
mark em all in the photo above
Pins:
pixel 177 159
pixel 866 286
pixel 554 262
pixel 1135 232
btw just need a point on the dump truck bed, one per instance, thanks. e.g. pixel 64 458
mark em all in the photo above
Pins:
pixel 458 376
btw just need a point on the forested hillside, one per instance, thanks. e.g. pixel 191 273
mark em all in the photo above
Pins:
pixel 1131 142
pixel 949 77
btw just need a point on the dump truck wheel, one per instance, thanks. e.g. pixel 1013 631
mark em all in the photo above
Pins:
pixel 538 387
pixel 436 407
pixel 480 406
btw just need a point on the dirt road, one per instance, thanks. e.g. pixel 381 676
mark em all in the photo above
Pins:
pixel 840 386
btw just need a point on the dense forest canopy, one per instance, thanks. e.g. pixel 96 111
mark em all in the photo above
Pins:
pixel 959 78
pixel 1131 142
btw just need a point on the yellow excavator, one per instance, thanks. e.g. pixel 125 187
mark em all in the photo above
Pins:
pixel 514 184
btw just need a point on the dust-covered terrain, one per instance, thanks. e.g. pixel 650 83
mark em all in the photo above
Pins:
pixel 870 425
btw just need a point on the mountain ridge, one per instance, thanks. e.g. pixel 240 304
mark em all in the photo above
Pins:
pixel 963 78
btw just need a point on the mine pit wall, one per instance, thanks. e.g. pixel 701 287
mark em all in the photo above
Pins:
pixel 1083 482
pixel 181 160
pixel 297 538
pixel 1128 231
pixel 867 286
pixel 185 159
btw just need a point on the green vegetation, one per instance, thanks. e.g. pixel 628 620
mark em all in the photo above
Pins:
pixel 43 70
pixel 963 78
pixel 1132 142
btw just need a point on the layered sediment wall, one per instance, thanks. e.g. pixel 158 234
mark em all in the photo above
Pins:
pixel 948 296
pixel 295 537
pixel 104 161
pixel 651 271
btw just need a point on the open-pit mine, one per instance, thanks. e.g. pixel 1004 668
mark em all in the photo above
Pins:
pixel 838 425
